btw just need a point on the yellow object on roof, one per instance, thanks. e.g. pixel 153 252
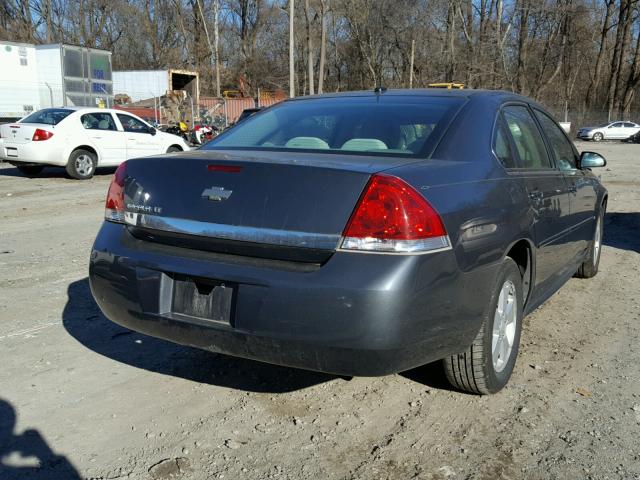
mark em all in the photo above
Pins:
pixel 448 86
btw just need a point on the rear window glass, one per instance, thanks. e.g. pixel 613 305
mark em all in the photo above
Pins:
pixel 51 116
pixel 380 125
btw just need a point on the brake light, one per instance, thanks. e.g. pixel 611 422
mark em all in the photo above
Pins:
pixel 114 208
pixel 224 168
pixel 40 135
pixel 391 216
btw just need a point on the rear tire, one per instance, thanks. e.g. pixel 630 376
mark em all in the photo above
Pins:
pixel 30 170
pixel 486 365
pixel 589 267
pixel 598 137
pixel 82 164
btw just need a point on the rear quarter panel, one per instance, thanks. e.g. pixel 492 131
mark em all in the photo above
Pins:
pixel 483 209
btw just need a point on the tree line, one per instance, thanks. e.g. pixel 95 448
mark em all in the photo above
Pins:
pixel 578 55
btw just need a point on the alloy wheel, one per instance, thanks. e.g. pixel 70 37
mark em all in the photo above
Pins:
pixel 597 241
pixel 84 165
pixel 504 326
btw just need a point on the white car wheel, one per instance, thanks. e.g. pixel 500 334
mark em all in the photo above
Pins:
pixel 82 164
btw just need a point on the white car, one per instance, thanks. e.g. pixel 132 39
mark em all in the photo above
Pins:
pixel 609 131
pixel 81 139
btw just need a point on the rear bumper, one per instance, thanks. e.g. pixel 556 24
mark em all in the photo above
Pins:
pixel 31 153
pixel 358 314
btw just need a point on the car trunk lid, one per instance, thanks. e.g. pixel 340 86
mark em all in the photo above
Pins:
pixel 281 205
pixel 21 133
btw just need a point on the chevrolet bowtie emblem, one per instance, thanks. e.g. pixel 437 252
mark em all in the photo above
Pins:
pixel 216 194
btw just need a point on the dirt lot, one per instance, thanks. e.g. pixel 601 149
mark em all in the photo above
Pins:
pixel 83 398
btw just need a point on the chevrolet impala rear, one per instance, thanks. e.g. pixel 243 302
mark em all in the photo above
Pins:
pixel 351 234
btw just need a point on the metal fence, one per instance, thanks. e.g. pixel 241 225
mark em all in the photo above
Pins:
pixel 220 112
pixel 216 111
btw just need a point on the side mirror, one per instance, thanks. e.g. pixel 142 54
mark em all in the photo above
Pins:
pixel 591 160
pixel 151 131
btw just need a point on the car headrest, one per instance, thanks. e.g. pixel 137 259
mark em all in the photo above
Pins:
pixel 307 142
pixel 364 144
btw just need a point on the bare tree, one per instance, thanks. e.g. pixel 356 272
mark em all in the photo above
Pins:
pixel 581 56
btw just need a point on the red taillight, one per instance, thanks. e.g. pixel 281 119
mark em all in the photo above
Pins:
pixel 114 209
pixel 39 135
pixel 224 168
pixel 391 216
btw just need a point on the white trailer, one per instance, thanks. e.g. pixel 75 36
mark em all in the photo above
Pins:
pixel 19 84
pixel 145 84
pixel 34 77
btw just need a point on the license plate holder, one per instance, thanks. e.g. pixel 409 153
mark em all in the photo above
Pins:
pixel 205 299
pixel 12 152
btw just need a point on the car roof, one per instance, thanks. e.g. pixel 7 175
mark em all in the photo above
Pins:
pixel 423 92
pixel 87 109
pixel 488 98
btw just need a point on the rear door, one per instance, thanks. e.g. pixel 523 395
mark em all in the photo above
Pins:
pixel 140 143
pixel 547 191
pixel 111 143
pixel 615 131
pixel 630 128
pixel 582 189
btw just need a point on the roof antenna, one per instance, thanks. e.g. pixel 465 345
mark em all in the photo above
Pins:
pixel 380 89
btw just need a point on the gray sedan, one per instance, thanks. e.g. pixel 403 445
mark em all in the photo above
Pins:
pixel 361 233
pixel 609 131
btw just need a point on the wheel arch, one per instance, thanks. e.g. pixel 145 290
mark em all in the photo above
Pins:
pixel 521 251
pixel 86 147
pixel 175 145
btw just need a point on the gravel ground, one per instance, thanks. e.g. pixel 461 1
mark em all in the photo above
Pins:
pixel 83 398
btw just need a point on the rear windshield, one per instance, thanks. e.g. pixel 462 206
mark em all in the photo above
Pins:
pixel 373 125
pixel 51 116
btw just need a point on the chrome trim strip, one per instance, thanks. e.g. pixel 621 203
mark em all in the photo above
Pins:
pixel 396 247
pixel 268 236
pixel 566 231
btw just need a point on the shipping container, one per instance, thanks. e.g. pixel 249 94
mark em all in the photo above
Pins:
pixel 84 73
pixel 145 84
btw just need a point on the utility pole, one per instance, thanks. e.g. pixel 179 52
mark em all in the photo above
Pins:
pixel 216 37
pixel 323 45
pixel 309 47
pixel 292 90
pixel 413 52
pixel 214 53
